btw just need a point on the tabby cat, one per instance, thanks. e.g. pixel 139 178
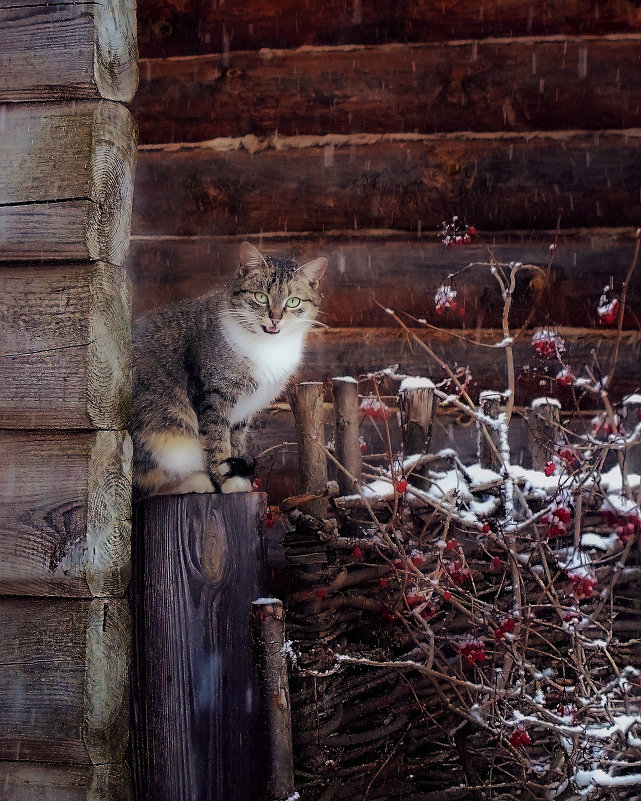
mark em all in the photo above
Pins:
pixel 204 367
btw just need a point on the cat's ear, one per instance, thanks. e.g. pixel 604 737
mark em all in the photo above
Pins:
pixel 250 258
pixel 313 271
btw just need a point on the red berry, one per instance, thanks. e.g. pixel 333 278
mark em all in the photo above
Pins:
pixel 400 485
pixel 486 529
pixel 496 563
pixel 447 595
pixel 321 592
pixel 358 553
pixel 471 230
pixel 562 513
pixel 417 559
pixel 549 469
pixel 520 737
pixel 383 583
pixel 451 544
pixel 508 624
pixel 567 455
pixel 467 239
pixel 499 634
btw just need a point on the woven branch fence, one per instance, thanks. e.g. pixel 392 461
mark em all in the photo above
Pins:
pixel 463 632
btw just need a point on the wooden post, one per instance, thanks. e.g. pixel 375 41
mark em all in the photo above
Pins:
pixel 307 404
pixel 416 401
pixel 488 438
pixel 632 418
pixel 197 568
pixel 545 418
pixel 348 449
pixel 269 639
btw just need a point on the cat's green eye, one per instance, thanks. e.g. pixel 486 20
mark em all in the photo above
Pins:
pixel 292 302
pixel 261 297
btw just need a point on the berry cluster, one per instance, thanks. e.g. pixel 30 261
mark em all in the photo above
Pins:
pixel 507 625
pixel 472 652
pixel 609 307
pixel 520 737
pixel 456 233
pixel 583 584
pixel 445 300
pixel 547 343
pixel 373 407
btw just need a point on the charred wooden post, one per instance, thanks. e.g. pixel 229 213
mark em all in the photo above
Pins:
pixel 416 402
pixel 269 639
pixel 348 449
pixel 488 437
pixel 307 404
pixel 197 568
pixel 544 419
pixel 632 418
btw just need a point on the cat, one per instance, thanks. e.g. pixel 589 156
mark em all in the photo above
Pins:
pixel 204 367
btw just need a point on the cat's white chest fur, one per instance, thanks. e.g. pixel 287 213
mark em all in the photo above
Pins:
pixel 274 360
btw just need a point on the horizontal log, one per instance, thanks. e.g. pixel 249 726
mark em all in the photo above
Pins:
pixel 169 28
pixel 518 85
pixel 66 181
pixel 404 272
pixel 64 693
pixel 358 351
pixel 35 781
pixel 66 346
pixel 411 182
pixel 67 50
pixel 65 508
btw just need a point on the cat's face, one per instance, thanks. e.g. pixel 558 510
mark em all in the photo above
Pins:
pixel 272 295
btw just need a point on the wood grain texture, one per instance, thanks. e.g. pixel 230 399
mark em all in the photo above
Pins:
pixel 66 181
pixel 50 707
pixel 268 625
pixel 306 400
pixel 405 181
pixel 403 271
pixel 346 440
pixel 67 50
pixel 351 351
pixel 65 350
pixel 196 709
pixel 428 88
pixel 185 27
pixel 39 781
pixel 65 508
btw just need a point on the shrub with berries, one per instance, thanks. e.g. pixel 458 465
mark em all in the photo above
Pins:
pixel 485 609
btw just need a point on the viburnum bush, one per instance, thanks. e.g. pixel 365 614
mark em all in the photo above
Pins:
pixel 478 626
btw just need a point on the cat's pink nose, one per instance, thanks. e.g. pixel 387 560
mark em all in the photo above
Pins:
pixel 271 329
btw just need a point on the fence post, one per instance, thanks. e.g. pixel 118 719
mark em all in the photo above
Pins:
pixel 545 419
pixel 269 639
pixel 197 718
pixel 488 438
pixel 307 404
pixel 348 449
pixel 632 418
pixel 416 401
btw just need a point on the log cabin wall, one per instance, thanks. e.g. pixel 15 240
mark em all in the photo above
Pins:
pixel 353 129
pixel 67 155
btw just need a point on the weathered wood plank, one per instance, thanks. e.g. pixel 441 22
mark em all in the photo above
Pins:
pixel 58 702
pixel 37 781
pixel 352 351
pixel 167 27
pixel 427 88
pixel 411 182
pixel 198 567
pixel 67 50
pixel 66 181
pixel 403 271
pixel 65 349
pixel 65 502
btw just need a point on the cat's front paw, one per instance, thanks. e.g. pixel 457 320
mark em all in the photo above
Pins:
pixel 236 484
pixel 237 474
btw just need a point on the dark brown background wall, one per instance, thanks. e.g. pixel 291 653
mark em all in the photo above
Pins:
pixel 353 129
